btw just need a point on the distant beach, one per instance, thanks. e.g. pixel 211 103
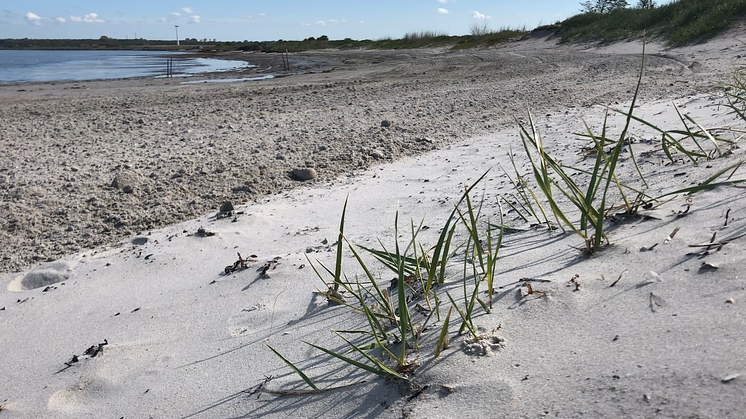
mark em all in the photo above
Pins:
pixel 51 66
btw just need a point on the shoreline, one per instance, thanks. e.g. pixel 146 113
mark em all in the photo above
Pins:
pixel 262 64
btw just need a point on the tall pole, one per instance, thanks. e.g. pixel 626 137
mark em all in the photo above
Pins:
pixel 177 34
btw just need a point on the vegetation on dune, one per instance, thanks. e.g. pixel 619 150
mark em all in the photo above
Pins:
pixel 678 23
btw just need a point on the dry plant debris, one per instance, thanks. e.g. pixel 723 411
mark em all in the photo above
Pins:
pixel 201 232
pixel 530 291
pixel 240 264
pixel 647 249
pixel 671 236
pixel 655 302
pixel 92 351
pixel 719 244
pixel 617 280
pixel 575 280
pixel 270 265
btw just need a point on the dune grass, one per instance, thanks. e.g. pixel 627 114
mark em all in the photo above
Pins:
pixel 581 191
pixel 410 40
pixel 388 328
pixel 679 23
pixel 587 191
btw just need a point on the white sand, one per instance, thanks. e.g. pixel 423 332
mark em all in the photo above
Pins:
pixel 186 340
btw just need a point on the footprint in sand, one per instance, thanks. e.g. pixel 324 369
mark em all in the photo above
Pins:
pixel 249 320
pixel 42 276
pixel 84 392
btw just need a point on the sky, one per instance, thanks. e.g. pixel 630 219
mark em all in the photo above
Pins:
pixel 235 20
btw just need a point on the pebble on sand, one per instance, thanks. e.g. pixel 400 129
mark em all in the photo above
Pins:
pixel 226 207
pixel 125 181
pixel 304 174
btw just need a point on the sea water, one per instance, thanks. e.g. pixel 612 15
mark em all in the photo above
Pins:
pixel 46 66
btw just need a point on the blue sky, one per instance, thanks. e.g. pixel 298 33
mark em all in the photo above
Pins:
pixel 234 20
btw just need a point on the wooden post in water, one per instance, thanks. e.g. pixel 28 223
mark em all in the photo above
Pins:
pixel 170 67
pixel 286 61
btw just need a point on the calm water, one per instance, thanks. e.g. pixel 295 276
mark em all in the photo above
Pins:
pixel 43 66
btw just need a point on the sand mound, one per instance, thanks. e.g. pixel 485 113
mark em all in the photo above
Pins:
pixel 42 276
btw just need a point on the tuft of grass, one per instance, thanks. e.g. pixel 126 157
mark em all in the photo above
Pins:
pixel 388 332
pixel 552 176
pixel 588 192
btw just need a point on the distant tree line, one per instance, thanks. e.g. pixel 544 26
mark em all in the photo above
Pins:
pixel 104 42
pixel 608 6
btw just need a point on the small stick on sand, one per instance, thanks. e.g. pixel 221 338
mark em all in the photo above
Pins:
pixel 617 280
pixel 309 392
pixel 671 236
pixel 719 244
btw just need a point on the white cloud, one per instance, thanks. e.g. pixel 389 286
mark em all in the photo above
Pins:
pixel 33 18
pixel 443 11
pixel 320 23
pixel 194 19
pixel 476 15
pixel 174 15
pixel 443 1
pixel 89 18
pixel 60 20
pixel 187 10
pixel 92 18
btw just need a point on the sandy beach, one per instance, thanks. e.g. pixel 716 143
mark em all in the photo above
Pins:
pixel 185 148
pixel 116 302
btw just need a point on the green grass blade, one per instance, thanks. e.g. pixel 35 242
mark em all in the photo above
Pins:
pixel 443 334
pixel 689 132
pixel 438 248
pixel 710 183
pixel 296 369
pixel 381 299
pixel 365 367
pixel 463 317
pixel 516 210
pixel 472 228
pixel 707 135
pixel 338 265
